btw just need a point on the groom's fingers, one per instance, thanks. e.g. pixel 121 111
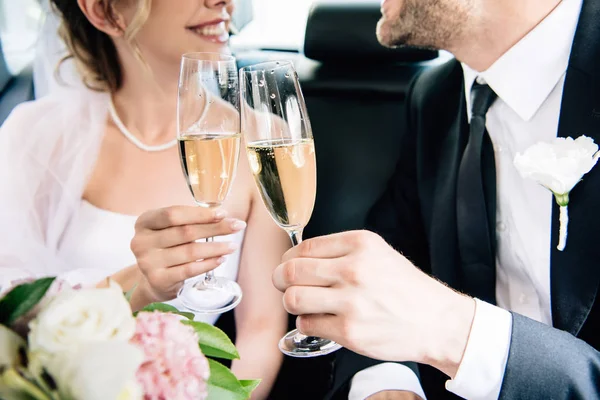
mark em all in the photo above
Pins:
pixel 305 272
pixel 299 300
pixel 332 246
pixel 325 326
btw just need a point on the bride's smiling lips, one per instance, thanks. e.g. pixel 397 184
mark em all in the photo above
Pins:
pixel 216 31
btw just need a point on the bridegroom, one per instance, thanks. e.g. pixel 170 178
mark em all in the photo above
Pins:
pixel 458 210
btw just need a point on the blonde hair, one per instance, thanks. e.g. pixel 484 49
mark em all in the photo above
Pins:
pixel 94 52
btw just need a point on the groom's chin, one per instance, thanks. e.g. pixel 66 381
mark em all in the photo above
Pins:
pixel 383 33
pixel 386 35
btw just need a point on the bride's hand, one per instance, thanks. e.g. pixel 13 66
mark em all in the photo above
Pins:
pixel 167 252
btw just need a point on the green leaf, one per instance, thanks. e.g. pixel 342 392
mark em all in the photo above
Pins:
pixel 213 341
pixel 14 387
pixel 162 307
pixel 223 384
pixel 129 293
pixel 250 385
pixel 21 299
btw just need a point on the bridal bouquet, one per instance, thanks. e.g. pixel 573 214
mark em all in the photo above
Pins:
pixel 61 343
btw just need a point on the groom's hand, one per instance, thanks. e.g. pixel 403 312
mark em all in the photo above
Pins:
pixel 355 289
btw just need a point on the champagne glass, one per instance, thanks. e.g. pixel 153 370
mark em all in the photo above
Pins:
pixel 208 132
pixel 281 153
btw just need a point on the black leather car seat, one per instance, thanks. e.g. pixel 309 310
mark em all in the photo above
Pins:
pixel 354 90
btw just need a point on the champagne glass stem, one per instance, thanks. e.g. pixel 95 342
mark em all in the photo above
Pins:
pixel 297 344
pixel 296 237
pixel 209 278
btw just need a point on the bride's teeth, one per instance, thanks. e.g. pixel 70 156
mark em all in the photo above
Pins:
pixel 212 30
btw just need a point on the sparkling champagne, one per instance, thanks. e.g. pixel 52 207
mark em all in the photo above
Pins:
pixel 209 163
pixel 286 175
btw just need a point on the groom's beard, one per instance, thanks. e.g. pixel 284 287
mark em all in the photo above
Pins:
pixel 435 24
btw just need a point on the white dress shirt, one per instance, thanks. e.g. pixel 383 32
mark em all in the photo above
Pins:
pixel 529 81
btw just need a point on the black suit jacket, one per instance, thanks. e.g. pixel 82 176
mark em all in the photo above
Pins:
pixel 417 216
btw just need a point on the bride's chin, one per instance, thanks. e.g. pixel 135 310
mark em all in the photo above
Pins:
pixel 211 47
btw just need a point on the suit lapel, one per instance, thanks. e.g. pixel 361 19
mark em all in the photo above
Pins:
pixel 575 272
pixel 439 146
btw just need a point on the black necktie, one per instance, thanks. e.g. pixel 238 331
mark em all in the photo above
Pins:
pixel 476 201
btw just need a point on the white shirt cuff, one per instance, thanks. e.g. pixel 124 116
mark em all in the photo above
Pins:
pixel 481 371
pixel 382 377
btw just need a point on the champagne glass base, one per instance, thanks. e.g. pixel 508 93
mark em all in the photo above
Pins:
pixel 295 344
pixel 216 297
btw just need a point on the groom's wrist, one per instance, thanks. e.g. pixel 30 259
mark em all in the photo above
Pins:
pixel 452 327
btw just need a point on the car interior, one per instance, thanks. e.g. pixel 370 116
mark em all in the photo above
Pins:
pixel 354 90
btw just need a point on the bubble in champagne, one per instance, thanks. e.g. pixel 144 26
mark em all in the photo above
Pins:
pixel 261 83
pixel 272 71
pixel 287 75
pixel 273 95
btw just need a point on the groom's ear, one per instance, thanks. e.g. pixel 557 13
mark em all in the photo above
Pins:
pixel 104 16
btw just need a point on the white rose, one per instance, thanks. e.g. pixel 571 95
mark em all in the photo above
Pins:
pixel 81 316
pixel 558 165
pixel 97 371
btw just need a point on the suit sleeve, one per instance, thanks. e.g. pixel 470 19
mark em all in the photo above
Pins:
pixel 547 363
pixel 397 218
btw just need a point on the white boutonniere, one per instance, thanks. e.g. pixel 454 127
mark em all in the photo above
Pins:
pixel 558 166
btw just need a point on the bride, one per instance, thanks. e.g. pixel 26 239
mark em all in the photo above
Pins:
pixel 75 191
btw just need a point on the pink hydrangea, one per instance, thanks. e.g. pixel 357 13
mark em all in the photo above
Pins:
pixel 174 366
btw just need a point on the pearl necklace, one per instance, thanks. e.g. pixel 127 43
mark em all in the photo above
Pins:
pixel 136 141
pixel 133 139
